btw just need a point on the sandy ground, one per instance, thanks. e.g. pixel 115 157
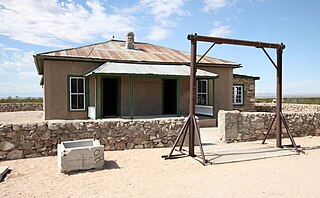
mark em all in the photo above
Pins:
pixel 143 173
pixel 21 117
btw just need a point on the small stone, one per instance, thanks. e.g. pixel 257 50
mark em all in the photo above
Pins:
pixel 6 146
pixel 42 126
pixel 16 154
pixel 138 146
pixel 137 140
pixel 16 127
pixel 130 145
pixel 119 145
pixel 3 155
pixel 45 135
pixel 153 137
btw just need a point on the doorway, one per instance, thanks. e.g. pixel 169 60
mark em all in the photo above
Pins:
pixel 169 96
pixel 110 97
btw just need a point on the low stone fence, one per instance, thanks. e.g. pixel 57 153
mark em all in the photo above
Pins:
pixel 40 139
pixel 247 126
pixel 26 106
pixel 271 107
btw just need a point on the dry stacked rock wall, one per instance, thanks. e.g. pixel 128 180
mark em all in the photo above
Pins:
pixel 11 107
pixel 246 126
pixel 40 139
pixel 271 107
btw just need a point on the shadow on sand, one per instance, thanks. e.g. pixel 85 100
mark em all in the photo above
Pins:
pixel 108 165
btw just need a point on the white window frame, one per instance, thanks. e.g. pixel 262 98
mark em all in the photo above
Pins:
pixel 235 90
pixel 206 92
pixel 77 94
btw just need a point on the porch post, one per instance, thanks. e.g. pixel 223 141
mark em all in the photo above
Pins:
pixel 131 97
pixel 213 100
pixel 279 97
pixel 96 97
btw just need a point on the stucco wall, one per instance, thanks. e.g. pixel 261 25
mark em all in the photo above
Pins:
pixel 55 87
pixel 223 87
pixel 147 91
pixel 248 95
pixel 147 96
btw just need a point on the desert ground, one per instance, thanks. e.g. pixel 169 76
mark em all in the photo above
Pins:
pixel 143 173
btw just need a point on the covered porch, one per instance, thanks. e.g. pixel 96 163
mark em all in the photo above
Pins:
pixel 131 90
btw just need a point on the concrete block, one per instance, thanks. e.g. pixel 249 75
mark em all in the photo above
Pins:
pixel 80 155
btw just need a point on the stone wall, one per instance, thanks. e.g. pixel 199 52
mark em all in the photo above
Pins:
pixel 249 94
pixel 247 126
pixel 271 107
pixel 10 107
pixel 40 139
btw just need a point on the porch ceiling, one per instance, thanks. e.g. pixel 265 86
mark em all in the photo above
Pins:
pixel 148 69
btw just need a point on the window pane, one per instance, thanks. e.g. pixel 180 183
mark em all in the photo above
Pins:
pixel 80 85
pixel 203 86
pixel 74 102
pixel 202 99
pixel 80 101
pixel 199 86
pixel 73 85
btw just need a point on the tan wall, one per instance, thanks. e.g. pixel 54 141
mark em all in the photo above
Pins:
pixel 56 93
pixel 223 88
pixel 147 96
pixel 147 91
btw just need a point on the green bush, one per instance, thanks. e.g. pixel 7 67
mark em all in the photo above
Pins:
pixel 20 100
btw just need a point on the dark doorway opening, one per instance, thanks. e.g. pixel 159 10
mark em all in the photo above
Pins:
pixel 110 97
pixel 169 96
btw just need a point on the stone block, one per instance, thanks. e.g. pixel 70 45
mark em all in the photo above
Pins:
pixel 16 154
pixel 6 146
pixel 80 155
pixel 138 146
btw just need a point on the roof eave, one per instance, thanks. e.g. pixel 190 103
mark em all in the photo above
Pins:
pixel 40 57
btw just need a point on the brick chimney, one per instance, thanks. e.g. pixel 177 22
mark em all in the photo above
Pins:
pixel 130 40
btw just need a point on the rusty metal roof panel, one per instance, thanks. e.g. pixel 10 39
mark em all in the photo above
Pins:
pixel 114 50
pixel 148 69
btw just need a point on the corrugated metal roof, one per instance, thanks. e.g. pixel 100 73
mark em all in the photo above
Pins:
pixel 148 69
pixel 115 50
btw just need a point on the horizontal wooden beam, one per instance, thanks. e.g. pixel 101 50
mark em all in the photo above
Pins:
pixel 219 40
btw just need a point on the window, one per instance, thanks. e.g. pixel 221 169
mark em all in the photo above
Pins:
pixel 202 92
pixel 237 94
pixel 77 93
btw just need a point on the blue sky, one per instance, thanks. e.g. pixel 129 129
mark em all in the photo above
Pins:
pixel 29 27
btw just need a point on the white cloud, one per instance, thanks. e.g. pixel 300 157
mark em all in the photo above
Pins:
pixel 215 5
pixel 158 33
pixel 18 60
pixel 220 31
pixel 162 10
pixel 25 75
pixel 56 23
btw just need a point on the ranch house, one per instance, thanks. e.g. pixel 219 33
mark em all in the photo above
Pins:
pixel 128 79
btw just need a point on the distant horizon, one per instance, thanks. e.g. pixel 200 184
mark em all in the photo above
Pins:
pixel 258 95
